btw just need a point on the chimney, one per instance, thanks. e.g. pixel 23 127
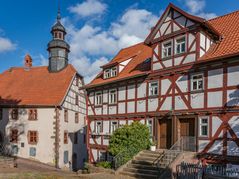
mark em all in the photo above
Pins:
pixel 28 61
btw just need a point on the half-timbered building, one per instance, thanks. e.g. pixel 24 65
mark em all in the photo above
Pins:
pixel 42 109
pixel 182 81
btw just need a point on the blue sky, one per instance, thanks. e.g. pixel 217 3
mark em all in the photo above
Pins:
pixel 97 29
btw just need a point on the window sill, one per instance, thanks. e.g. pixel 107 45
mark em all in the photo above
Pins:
pixel 196 91
pixel 153 96
pixel 113 104
pixel 32 143
pixel 179 54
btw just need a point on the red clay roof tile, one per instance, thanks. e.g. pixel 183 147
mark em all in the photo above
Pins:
pixel 34 86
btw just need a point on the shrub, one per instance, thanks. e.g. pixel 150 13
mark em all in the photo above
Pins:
pixel 135 137
pixel 104 164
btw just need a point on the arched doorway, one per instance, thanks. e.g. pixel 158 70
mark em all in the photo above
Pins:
pixel 74 162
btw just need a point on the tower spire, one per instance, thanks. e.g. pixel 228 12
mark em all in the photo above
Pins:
pixel 58 12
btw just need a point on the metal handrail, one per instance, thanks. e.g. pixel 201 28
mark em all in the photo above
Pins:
pixel 124 156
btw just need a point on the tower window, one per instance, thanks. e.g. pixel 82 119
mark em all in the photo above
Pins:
pixel 60 35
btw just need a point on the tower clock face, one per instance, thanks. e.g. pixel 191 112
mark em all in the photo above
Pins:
pixel 61 53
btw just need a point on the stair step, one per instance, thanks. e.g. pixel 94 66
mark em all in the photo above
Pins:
pixel 144 171
pixel 141 166
pixel 150 163
pixel 152 152
pixel 152 159
pixel 139 175
pixel 153 155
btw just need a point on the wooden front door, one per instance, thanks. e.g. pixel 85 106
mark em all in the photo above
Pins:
pixel 187 127
pixel 165 130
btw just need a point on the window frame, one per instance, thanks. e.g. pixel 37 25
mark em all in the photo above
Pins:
pixel 203 124
pixel 114 71
pixel 77 100
pixel 192 81
pixel 176 43
pixel 111 126
pixel 98 98
pixel 97 130
pixel 65 137
pixel 32 137
pixel 14 114
pixel 76 117
pixel 66 115
pixel 110 99
pixel 14 137
pixel 107 73
pixel 163 47
pixel 151 128
pixel 32 115
pixel 149 88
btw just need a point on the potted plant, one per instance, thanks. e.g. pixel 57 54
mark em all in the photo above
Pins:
pixel 153 146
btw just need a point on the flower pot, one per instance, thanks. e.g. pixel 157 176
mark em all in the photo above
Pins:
pixel 153 148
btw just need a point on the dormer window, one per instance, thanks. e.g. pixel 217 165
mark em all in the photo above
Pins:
pixel 107 74
pixel 111 72
pixel 180 45
pixel 167 49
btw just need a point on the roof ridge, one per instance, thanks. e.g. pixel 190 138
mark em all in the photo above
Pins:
pixel 215 18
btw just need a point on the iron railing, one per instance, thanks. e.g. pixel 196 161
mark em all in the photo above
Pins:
pixel 124 156
pixel 197 171
pixel 185 143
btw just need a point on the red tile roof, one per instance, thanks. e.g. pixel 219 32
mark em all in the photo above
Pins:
pixel 228 27
pixel 34 86
pixel 139 53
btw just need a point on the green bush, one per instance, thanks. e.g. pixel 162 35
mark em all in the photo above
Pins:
pixel 135 137
pixel 104 164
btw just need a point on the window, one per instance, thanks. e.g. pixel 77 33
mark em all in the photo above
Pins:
pixel 99 127
pixel 14 114
pixel 102 156
pixel 66 115
pixel 203 126
pixel 65 137
pixel 114 125
pixel 112 97
pixel 32 114
pixel 153 88
pixel 114 72
pixel 167 49
pixel 197 82
pixel 14 136
pixel 77 99
pixel 98 98
pixel 76 117
pixel 149 123
pixel 14 149
pixel 180 44
pixel 66 157
pixel 107 74
pixel 1 113
pixel 32 137
pixel 32 151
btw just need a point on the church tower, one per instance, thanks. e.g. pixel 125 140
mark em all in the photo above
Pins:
pixel 58 48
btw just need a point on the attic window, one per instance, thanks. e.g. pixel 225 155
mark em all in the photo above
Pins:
pixel 111 72
pixel 180 45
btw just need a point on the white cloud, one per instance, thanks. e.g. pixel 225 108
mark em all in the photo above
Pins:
pixel 88 8
pixel 6 45
pixel 43 60
pixel 196 7
pixel 92 46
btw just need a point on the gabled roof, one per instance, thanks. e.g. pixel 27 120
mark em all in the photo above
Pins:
pixel 228 26
pixel 136 67
pixel 34 86
pixel 196 19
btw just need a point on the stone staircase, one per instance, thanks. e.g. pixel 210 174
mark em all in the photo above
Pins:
pixel 148 164
pixel 143 165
